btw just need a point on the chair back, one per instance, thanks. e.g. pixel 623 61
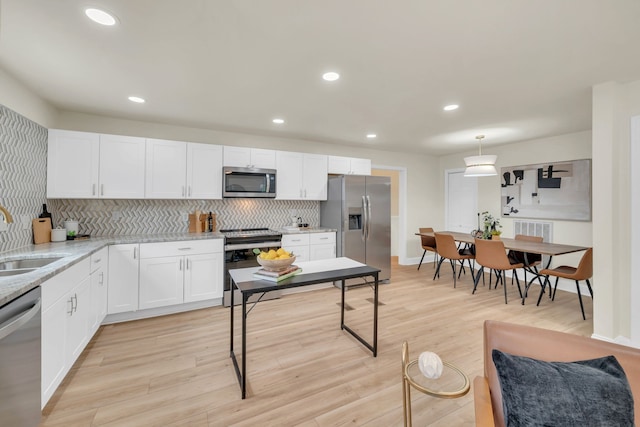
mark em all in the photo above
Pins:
pixel 492 254
pixel 529 258
pixel 537 239
pixel 585 268
pixel 427 241
pixel 446 246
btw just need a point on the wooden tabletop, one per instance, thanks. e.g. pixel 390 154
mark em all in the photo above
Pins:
pixel 542 248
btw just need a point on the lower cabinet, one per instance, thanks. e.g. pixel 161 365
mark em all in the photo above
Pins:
pixel 310 246
pixel 99 265
pixel 123 278
pixel 66 313
pixel 179 272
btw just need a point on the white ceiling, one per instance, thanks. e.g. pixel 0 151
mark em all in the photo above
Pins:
pixel 520 69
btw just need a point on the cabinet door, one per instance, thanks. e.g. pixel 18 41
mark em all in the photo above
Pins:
pixel 98 300
pixel 122 293
pixel 361 166
pixel 54 321
pixel 78 321
pixel 203 277
pixel 264 159
pixel 72 164
pixel 339 165
pixel 166 169
pixel 204 171
pixel 325 251
pixel 289 176
pixel 122 167
pixel 237 156
pixel 161 281
pixel 314 177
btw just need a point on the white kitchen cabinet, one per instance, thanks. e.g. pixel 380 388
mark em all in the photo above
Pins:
pixel 122 294
pixel 88 165
pixel 301 176
pixel 204 171
pixel 122 167
pixel 322 246
pixel 178 272
pixel 99 265
pixel 348 165
pixel 246 157
pixel 297 243
pixel 66 307
pixel 72 164
pixel 183 170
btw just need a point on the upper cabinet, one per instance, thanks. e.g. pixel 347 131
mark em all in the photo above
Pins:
pixel 183 170
pixel 87 165
pixel 245 157
pixel 349 166
pixel 301 176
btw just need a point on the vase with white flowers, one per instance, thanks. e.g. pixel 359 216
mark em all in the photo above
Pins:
pixel 491 226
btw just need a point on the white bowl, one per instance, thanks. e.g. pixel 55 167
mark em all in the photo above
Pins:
pixel 276 264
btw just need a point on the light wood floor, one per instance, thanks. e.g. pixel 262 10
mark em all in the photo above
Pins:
pixel 303 370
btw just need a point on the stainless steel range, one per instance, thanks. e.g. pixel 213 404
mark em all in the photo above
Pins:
pixel 238 253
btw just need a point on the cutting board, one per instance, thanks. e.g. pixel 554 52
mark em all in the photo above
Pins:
pixel 41 230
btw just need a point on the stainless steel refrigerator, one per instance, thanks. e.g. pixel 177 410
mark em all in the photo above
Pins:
pixel 359 207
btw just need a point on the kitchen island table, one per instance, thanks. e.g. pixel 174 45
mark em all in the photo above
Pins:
pixel 313 272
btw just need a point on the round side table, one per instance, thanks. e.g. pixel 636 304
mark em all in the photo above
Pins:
pixel 451 384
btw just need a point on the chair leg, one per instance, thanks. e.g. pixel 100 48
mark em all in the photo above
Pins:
pixel 477 279
pixel 437 273
pixel 504 279
pixel 555 288
pixel 589 286
pixel 543 285
pixel 580 298
pixel 453 267
pixel 435 259
pixel 423 254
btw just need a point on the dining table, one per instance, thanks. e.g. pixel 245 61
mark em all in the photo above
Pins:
pixel 525 246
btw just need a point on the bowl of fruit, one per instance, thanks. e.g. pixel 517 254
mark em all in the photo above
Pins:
pixel 275 260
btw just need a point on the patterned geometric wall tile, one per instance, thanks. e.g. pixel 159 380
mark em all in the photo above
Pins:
pixel 127 217
pixel 23 169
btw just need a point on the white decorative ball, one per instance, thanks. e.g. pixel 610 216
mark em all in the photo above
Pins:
pixel 430 365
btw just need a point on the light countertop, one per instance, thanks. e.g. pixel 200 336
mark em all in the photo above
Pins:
pixel 71 252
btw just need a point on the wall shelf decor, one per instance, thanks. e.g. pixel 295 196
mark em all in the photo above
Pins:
pixel 560 190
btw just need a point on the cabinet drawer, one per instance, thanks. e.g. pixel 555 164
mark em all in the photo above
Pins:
pixel 186 247
pixel 56 287
pixel 321 238
pixel 99 259
pixel 295 240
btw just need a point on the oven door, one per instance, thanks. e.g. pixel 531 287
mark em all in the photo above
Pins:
pixel 249 183
pixel 243 258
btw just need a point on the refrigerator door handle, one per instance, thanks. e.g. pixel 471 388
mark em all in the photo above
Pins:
pixel 368 216
pixel 365 220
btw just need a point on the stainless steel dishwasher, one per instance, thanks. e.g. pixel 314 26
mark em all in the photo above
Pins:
pixel 20 361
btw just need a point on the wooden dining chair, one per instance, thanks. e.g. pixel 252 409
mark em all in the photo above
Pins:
pixel 447 249
pixel 492 254
pixel 428 244
pixel 584 271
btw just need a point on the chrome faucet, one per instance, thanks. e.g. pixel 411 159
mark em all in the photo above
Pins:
pixel 7 216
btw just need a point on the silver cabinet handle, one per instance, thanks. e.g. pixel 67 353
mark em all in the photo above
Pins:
pixel 97 260
pixel 324 238
pixel 180 268
pixel 134 253
pixel 184 249
pixel 183 191
pixel 102 189
pixel 93 190
pixel 101 278
pixel 189 191
pixel 187 263
pixel 16 323
pixel 75 306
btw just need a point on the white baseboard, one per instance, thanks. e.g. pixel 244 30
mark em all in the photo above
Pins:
pixel 160 311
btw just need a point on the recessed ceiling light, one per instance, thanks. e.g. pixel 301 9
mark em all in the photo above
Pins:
pixel 100 16
pixel 136 99
pixel 451 107
pixel 331 76
pixel 371 135
pixel 278 121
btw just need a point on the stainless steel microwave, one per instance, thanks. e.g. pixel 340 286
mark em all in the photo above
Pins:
pixel 248 182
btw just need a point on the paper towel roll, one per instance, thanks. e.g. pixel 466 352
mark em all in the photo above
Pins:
pixel 430 365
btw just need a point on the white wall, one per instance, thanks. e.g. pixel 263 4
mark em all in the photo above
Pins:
pixel 17 97
pixel 613 106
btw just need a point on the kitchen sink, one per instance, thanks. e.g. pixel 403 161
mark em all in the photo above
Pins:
pixel 28 264
pixel 5 273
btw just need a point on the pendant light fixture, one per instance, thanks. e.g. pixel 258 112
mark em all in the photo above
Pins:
pixel 480 165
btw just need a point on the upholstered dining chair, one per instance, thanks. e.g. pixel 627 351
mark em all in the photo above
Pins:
pixel 584 271
pixel 447 249
pixel 492 254
pixel 428 244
